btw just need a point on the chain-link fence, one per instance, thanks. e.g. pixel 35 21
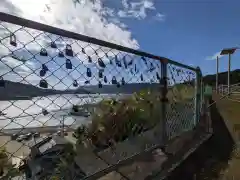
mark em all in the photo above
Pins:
pixel 75 107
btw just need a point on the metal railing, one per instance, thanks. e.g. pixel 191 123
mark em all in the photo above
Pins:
pixel 234 91
pixel 120 102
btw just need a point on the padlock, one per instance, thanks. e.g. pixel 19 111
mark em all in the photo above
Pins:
pixel 44 67
pixel 43 52
pixel 53 45
pixel 100 74
pixel 89 72
pixel 110 61
pixel 141 77
pixel 125 62
pixel 45 112
pixel 43 83
pixel 130 63
pixel 2 82
pixel 158 77
pixel 83 51
pixel 60 54
pixel 152 68
pixel 42 72
pixel 144 60
pixel 75 83
pixel 118 63
pixel 114 81
pixel 13 40
pixel 68 64
pixel 89 59
pixel 151 65
pixel 118 85
pixel 123 81
pixel 87 82
pixel 105 79
pixel 178 73
pixel 99 84
pixel 68 50
pixel 101 63
pixel 131 71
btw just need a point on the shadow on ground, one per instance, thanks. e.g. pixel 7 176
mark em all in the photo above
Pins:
pixel 212 156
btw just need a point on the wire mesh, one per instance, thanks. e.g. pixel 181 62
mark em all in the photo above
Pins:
pixel 73 109
pixel 181 95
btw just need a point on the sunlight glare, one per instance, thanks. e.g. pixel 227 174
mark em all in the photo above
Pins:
pixel 32 8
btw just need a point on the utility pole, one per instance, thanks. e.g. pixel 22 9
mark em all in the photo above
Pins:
pixel 217 66
pixel 229 52
pixel 229 69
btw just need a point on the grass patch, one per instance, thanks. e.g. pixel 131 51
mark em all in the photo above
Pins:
pixel 115 120
pixel 230 111
pixel 219 157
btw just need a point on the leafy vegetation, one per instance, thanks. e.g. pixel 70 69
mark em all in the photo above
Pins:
pixel 66 168
pixel 7 170
pixel 3 160
pixel 115 120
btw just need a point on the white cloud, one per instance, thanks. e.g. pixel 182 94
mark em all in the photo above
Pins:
pixel 125 4
pixel 86 18
pixel 214 57
pixel 90 18
pixel 137 9
pixel 160 17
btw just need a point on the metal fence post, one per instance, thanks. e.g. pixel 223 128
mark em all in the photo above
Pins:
pixel 164 100
pixel 197 96
pixel 202 93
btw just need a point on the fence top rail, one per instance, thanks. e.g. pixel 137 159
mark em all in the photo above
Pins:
pixel 61 32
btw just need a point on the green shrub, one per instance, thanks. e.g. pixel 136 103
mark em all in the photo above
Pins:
pixel 115 120
pixel 3 153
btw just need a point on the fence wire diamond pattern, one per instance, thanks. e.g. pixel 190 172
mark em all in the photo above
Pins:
pixel 73 109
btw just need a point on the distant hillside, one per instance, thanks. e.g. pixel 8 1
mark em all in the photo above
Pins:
pixel 16 90
pixel 223 78
pixel 126 89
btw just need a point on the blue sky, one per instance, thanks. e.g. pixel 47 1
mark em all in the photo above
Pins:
pixel 188 31
pixel 192 31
